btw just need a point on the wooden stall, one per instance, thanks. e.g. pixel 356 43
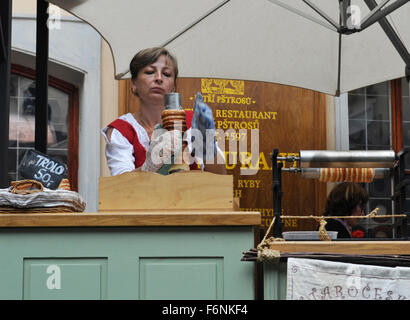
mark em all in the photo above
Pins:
pixel 172 242
pixel 185 245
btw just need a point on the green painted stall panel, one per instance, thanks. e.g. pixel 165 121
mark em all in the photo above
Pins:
pixel 66 279
pixel 126 263
pixel 181 278
pixel 274 283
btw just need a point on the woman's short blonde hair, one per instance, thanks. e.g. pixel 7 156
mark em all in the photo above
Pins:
pixel 148 56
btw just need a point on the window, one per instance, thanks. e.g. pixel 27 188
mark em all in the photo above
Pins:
pixel 376 124
pixel 62 136
pixel 369 118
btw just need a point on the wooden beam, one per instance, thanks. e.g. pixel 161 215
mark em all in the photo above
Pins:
pixel 397 115
pixel 131 219
pixel 344 247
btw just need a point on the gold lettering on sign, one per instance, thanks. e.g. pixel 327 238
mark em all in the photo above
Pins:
pixel 232 158
pixel 223 86
pixel 237 193
pixel 242 183
pixel 290 223
pixel 238 114
pixel 267 215
pixel 224 91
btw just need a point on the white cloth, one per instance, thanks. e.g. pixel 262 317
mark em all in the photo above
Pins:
pixel 44 199
pixel 309 279
pixel 119 152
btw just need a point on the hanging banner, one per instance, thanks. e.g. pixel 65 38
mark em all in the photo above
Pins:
pixel 309 279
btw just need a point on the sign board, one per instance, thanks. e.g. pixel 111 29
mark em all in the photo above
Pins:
pixel 287 118
pixel 40 167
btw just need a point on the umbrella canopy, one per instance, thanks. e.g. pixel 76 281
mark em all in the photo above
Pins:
pixel 306 44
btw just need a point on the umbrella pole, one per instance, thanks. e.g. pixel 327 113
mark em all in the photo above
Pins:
pixel 5 57
pixel 42 38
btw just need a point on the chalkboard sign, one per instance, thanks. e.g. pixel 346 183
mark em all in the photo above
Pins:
pixel 40 167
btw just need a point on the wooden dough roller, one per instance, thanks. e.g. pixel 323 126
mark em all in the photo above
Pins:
pixel 347 174
pixel 341 174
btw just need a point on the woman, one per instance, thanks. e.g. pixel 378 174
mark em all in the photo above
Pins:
pixel 345 199
pixel 130 139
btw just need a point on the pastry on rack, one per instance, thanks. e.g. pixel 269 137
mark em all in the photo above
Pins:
pixel 347 174
pixel 174 119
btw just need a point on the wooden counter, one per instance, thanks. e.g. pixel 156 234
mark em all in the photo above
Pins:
pixel 138 218
pixel 172 255
pixel 153 238
pixel 344 247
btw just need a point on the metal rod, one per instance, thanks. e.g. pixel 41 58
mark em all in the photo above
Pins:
pixel 292 170
pixel 322 14
pixel 288 158
pixel 3 46
pixel 41 113
pixel 372 12
pixel 190 26
pixel 304 15
pixel 382 13
pixel 347 159
pixel 339 55
pixel 5 16
pixel 344 217
pixel 403 193
pixel 388 29
pixel 339 65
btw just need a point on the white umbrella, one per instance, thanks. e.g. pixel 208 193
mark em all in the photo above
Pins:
pixel 290 42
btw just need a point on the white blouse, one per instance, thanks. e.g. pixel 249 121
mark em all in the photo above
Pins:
pixel 119 152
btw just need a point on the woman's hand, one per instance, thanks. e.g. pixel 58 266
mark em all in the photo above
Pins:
pixel 163 145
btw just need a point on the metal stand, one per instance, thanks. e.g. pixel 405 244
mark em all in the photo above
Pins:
pixel 399 194
pixel 401 183
pixel 277 193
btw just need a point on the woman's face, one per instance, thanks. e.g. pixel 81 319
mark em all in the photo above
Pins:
pixel 357 211
pixel 154 81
